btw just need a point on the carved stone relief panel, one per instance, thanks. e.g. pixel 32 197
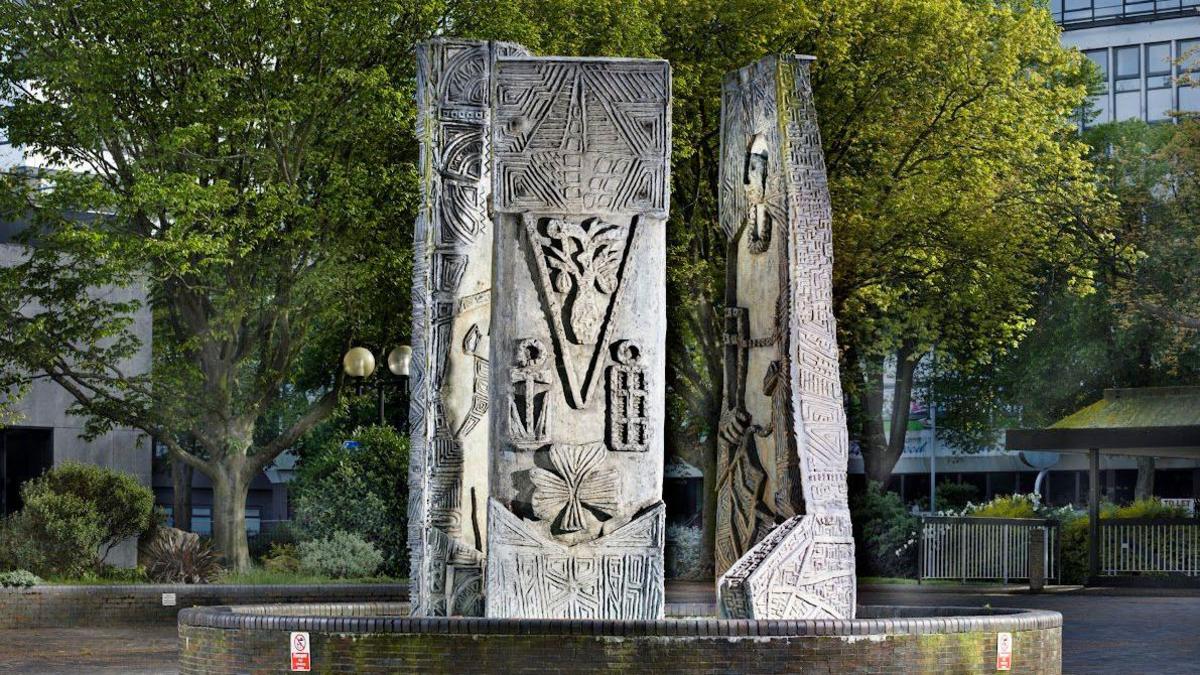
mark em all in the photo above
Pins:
pixel 783 441
pixel 451 313
pixel 581 150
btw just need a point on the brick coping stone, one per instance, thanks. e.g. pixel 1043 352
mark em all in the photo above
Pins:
pixel 391 618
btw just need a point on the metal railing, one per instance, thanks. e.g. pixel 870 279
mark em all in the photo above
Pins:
pixel 1149 546
pixel 977 549
pixel 1081 13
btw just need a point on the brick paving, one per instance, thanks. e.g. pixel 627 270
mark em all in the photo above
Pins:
pixel 1102 634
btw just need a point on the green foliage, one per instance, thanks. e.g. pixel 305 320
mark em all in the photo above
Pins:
pixel 955 496
pixel 256 168
pixel 340 556
pixel 124 505
pixel 19 579
pixel 1007 506
pixel 363 490
pixel 72 516
pixel 884 533
pixel 181 558
pixel 1143 508
pixel 282 559
pixel 682 552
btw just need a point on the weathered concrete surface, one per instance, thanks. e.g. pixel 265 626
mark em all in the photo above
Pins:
pixel 783 444
pixel 581 172
pixel 452 276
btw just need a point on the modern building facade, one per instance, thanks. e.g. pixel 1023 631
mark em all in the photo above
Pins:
pixel 1143 49
pixel 46 434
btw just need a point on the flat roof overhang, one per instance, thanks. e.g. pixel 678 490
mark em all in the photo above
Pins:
pixel 1159 441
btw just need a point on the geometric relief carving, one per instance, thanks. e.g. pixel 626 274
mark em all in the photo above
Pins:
pixel 628 421
pixel 529 404
pixel 618 575
pixel 452 268
pixel 580 170
pixel 774 197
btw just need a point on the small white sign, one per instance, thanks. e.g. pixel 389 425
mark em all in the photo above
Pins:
pixel 301 658
pixel 168 599
pixel 1004 651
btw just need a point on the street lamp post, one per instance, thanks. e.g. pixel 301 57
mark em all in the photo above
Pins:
pixel 359 364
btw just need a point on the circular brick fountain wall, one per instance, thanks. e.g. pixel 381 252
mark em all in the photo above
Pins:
pixel 380 638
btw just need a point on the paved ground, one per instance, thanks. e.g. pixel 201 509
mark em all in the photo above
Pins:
pixel 1102 634
pixel 107 651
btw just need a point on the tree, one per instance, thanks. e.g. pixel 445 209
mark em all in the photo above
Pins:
pixel 1129 326
pixel 252 165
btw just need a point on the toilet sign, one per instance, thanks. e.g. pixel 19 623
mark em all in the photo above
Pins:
pixel 1004 651
pixel 301 658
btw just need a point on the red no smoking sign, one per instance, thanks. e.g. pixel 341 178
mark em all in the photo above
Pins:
pixel 301 657
pixel 1004 651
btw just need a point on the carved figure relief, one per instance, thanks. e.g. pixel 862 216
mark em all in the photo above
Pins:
pixel 529 406
pixel 580 201
pixel 628 423
pixel 452 270
pixel 775 210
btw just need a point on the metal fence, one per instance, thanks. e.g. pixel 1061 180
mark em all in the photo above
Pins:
pixel 975 549
pixel 1149 546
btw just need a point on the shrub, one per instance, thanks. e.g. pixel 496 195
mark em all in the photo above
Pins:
pixel 178 557
pixel 683 552
pixel 54 534
pixel 955 496
pixel 19 579
pixel 885 533
pixel 1009 506
pixel 124 506
pixel 362 490
pixel 282 559
pixel 343 555
pixel 1144 508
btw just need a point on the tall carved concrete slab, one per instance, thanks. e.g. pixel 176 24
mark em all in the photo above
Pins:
pixel 580 199
pixel 783 441
pixel 452 272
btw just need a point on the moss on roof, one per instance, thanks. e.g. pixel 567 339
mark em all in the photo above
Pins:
pixel 1142 407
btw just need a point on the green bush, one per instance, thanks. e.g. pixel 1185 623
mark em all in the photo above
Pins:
pixel 955 496
pixel 282 559
pixel 885 533
pixel 343 555
pixel 178 557
pixel 363 490
pixel 19 579
pixel 54 535
pixel 1143 508
pixel 72 517
pixel 1009 506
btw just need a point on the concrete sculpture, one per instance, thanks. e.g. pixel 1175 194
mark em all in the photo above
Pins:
pixel 580 198
pixel 782 439
pixel 452 274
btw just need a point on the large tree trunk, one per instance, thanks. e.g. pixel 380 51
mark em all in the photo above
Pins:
pixel 181 484
pixel 882 450
pixel 1145 478
pixel 230 487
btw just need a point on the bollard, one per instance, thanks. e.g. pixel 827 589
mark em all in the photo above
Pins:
pixel 1036 562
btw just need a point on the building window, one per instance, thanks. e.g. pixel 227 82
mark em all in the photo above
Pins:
pixel 1189 56
pixel 169 512
pixel 1099 102
pixel 202 520
pixel 1158 81
pixel 253 521
pixel 1127 83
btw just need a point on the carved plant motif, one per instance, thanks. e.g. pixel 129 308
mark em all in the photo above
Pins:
pixel 583 260
pixel 578 484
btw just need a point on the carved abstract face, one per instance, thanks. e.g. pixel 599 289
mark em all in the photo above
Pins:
pixel 758 218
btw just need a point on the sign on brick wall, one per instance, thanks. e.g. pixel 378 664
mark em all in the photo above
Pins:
pixel 301 657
